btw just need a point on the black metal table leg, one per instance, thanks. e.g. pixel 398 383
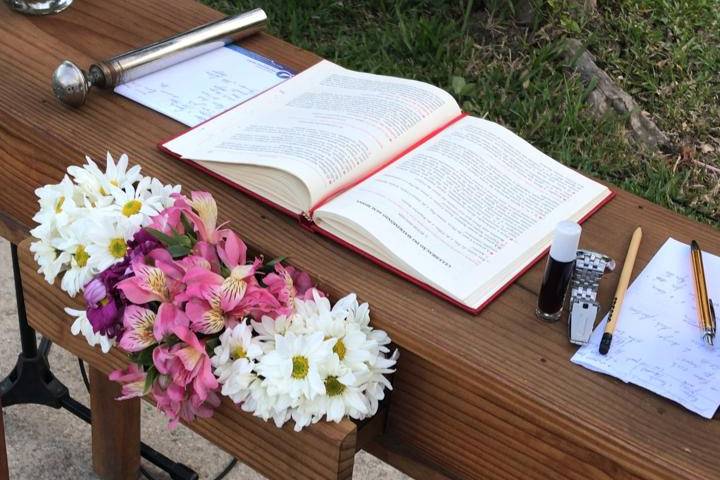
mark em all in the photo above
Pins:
pixel 31 381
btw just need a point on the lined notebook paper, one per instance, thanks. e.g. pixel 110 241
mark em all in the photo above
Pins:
pixel 657 343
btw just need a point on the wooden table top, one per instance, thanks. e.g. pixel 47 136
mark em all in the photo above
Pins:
pixel 504 355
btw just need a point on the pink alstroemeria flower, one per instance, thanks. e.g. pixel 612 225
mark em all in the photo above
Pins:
pixel 170 219
pixel 216 301
pixel 204 217
pixel 132 380
pixel 139 324
pixel 158 282
pixel 187 364
pixel 175 402
pixel 287 284
pixel 149 283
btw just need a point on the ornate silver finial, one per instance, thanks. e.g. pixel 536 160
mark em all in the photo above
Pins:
pixel 70 84
pixel 44 7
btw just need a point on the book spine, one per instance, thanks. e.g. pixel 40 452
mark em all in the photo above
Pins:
pixel 412 147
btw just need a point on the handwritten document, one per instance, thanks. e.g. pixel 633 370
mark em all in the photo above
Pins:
pixel 202 87
pixel 657 343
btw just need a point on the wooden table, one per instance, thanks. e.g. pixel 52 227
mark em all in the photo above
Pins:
pixel 489 396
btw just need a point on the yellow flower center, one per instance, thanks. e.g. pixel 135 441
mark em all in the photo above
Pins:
pixel 114 183
pixel 81 256
pixel 333 387
pixel 301 366
pixel 131 208
pixel 117 247
pixel 59 204
pixel 238 352
pixel 340 349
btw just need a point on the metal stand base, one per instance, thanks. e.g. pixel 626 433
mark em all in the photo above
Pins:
pixel 32 382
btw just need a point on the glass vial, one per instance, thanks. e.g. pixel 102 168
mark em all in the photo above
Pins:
pixel 558 271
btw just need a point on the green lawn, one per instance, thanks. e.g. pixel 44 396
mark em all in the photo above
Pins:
pixel 664 53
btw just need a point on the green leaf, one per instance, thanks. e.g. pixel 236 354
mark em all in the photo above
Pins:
pixel 144 357
pixel 185 241
pixel 178 251
pixel 458 84
pixel 160 236
pixel 186 223
pixel 152 375
pixel 270 266
pixel 275 261
pixel 210 345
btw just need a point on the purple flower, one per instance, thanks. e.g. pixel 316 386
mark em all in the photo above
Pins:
pixel 106 318
pixel 105 302
pixel 95 291
pixel 141 244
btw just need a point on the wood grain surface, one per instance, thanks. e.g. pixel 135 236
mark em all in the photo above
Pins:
pixel 115 430
pixel 486 396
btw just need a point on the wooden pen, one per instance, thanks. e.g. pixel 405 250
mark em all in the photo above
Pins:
pixel 620 291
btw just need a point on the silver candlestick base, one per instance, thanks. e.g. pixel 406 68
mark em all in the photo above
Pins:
pixel 43 7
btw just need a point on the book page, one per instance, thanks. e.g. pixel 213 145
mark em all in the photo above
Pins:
pixel 657 343
pixel 204 86
pixel 327 126
pixel 464 209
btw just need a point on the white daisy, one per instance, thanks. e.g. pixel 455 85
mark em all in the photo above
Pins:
pixel 261 404
pixel 293 368
pixel 267 328
pixel 307 412
pixel 82 325
pixel 136 203
pixel 343 395
pixel 58 205
pixel 234 361
pixel 80 269
pixel 375 381
pixel 50 260
pixel 89 180
pixel 108 241
pixel 351 343
pixel 164 192
pixel 116 175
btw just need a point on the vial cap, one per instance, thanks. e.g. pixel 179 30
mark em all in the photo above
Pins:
pixel 565 243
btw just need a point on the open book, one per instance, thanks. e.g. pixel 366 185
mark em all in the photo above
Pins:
pixel 393 169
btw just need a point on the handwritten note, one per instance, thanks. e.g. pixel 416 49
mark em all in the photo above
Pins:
pixel 657 343
pixel 202 87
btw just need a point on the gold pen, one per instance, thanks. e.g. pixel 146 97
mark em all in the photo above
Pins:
pixel 706 311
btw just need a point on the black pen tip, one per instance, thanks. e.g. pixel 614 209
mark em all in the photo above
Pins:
pixel 694 245
pixel 605 343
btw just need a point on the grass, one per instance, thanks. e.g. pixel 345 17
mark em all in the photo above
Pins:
pixel 665 53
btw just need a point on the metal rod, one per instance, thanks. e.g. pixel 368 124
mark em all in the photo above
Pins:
pixel 71 85
pixel 27 334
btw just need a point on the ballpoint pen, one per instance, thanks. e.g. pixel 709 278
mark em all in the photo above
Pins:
pixel 622 287
pixel 706 311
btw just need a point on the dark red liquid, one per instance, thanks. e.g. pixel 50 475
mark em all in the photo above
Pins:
pixel 554 285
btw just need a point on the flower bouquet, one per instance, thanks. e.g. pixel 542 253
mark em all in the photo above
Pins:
pixel 198 318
